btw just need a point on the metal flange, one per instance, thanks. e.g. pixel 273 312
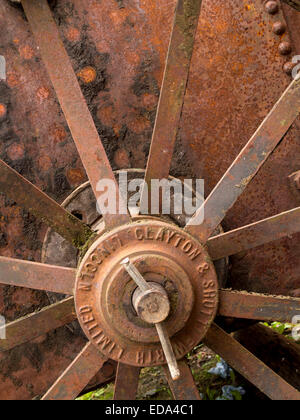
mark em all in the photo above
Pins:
pixel 164 254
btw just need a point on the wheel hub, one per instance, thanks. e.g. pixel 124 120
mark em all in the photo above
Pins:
pixel 117 318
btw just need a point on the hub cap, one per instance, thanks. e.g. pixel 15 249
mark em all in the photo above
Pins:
pixel 165 255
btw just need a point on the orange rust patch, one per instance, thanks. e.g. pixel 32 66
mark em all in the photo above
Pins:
pixel 149 101
pixel 45 163
pixel 107 115
pixel 15 151
pixel 117 128
pixel 118 17
pixel 59 134
pixel 139 124
pixel 75 176
pixel 43 93
pixel 2 110
pixel 26 52
pixel 102 46
pixel 73 34
pixel 87 74
pixel 132 57
pixel 121 159
pixel 12 80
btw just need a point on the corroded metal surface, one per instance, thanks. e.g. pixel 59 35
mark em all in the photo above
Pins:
pixel 249 366
pixel 244 53
pixel 251 236
pixel 38 324
pixel 126 383
pixel 245 305
pixel 247 163
pixel 29 370
pixel 69 385
pixel 102 38
pixel 184 388
pixel 73 104
pixel 173 90
pixel 163 254
pixel 294 3
pixel 123 103
pixel 37 276
pixel 42 206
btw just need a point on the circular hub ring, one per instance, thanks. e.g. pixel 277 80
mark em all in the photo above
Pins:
pixel 104 291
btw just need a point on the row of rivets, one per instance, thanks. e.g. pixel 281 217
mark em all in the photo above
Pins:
pixel 279 28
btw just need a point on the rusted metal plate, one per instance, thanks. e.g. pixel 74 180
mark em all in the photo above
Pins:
pixel 293 3
pixel 73 104
pixel 247 163
pixel 29 370
pixel 236 304
pixel 216 126
pixel 293 21
pixel 37 276
pixel 184 388
pixel 173 89
pixel 75 378
pixel 123 104
pixel 126 383
pixel 251 236
pixel 260 375
pixel 38 324
pixel 43 207
pixel 135 38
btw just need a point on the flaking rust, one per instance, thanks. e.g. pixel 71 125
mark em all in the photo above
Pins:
pixel 243 76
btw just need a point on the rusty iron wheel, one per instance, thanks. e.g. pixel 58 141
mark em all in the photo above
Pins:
pixel 101 293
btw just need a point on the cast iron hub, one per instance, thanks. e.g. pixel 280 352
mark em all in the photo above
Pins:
pixel 166 256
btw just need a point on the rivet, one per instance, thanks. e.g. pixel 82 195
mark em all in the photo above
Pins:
pixel 285 48
pixel 279 28
pixel 272 7
pixel 288 67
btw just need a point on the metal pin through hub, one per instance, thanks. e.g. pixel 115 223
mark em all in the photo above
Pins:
pixel 152 305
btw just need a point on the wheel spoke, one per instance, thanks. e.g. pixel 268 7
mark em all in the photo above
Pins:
pixel 173 90
pixel 34 325
pixel 72 101
pixel 76 377
pixel 255 371
pixel 247 164
pixel 127 381
pixel 37 276
pixel 183 388
pixel 256 234
pixel 43 207
pixel 236 304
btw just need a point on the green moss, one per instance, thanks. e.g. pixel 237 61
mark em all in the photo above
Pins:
pixel 83 248
pixel 103 394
